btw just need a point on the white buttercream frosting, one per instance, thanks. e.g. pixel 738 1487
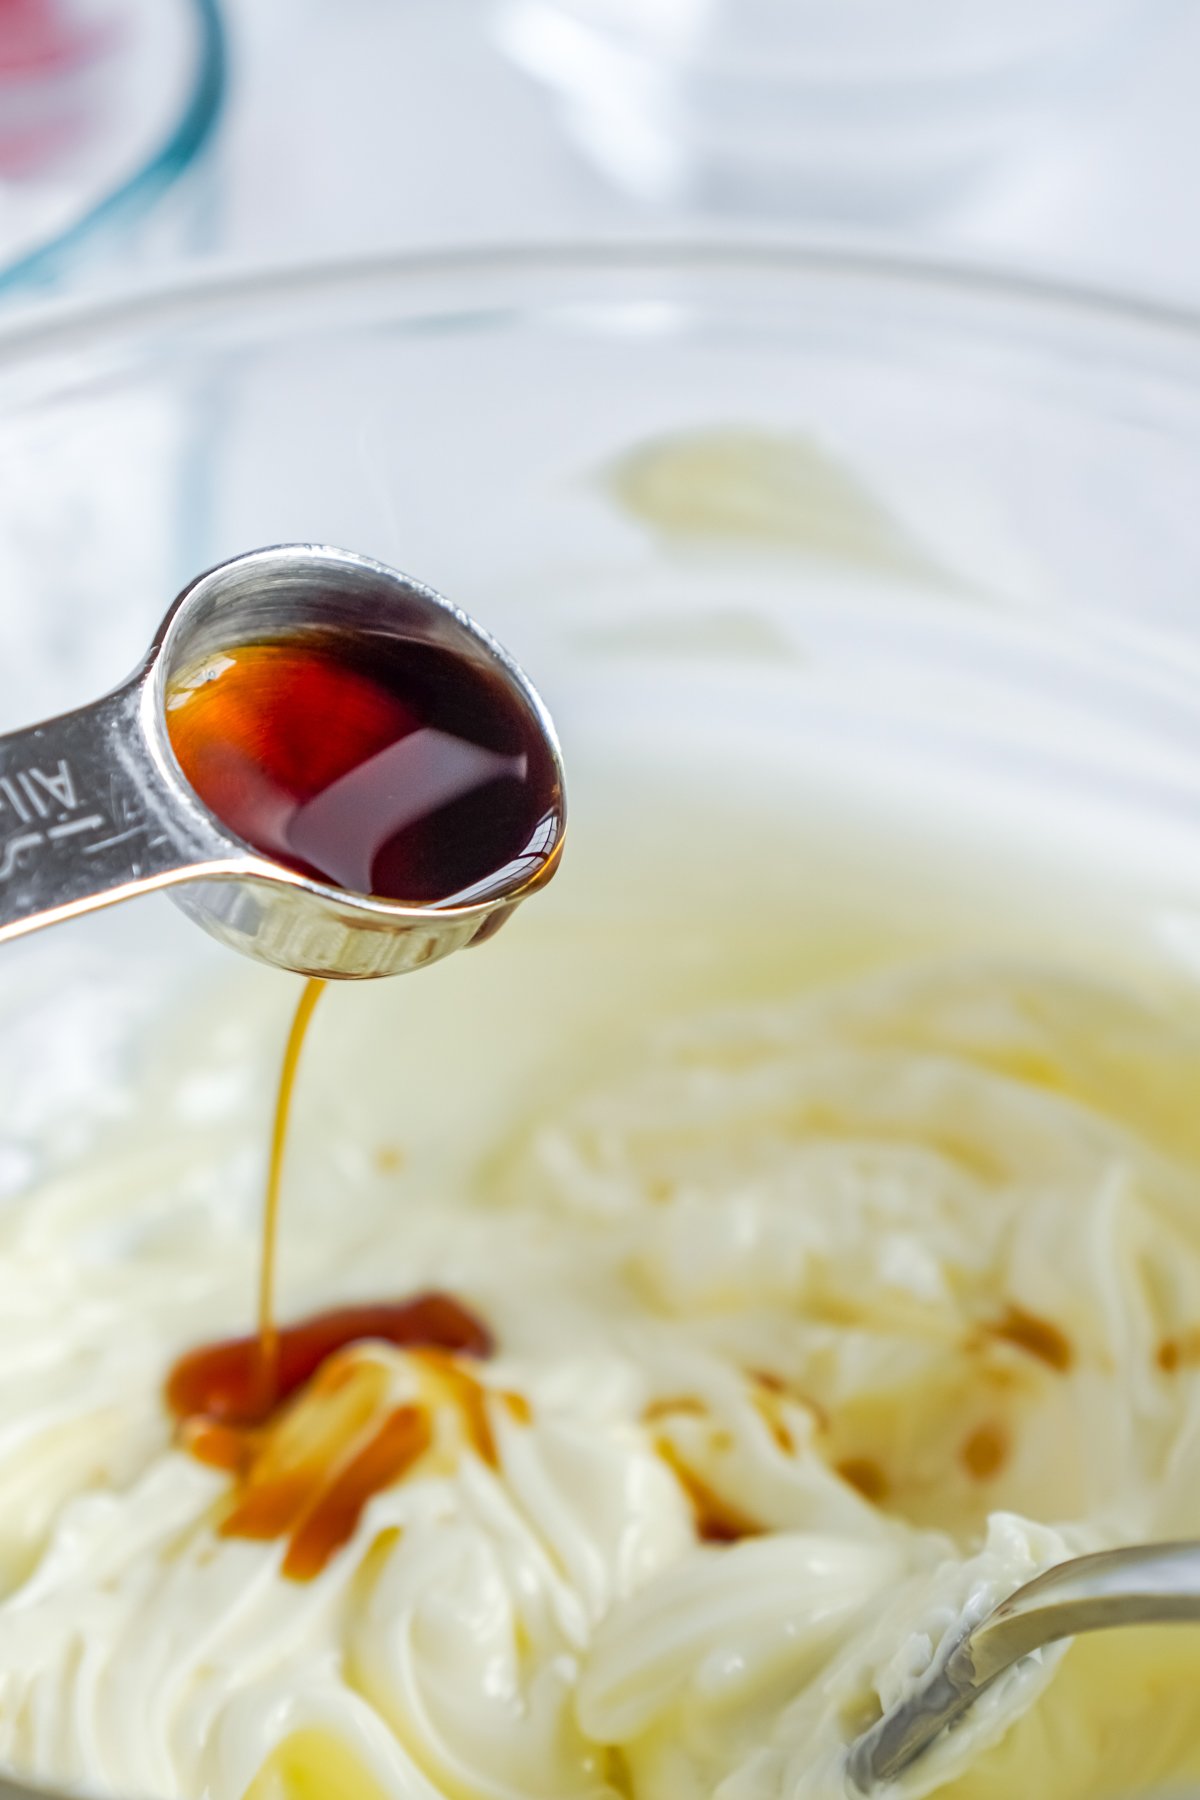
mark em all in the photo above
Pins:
pixel 829 1321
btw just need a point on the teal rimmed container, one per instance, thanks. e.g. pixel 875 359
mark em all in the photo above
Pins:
pixel 110 188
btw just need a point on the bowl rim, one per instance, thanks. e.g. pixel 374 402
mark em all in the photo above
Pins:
pixel 211 291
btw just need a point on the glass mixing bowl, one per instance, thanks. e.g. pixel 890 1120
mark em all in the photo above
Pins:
pixel 817 536
pixel 933 535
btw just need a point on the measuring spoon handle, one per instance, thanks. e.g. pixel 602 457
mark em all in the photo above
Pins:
pixel 86 817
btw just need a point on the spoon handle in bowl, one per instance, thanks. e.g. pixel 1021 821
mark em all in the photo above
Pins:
pixel 1146 1584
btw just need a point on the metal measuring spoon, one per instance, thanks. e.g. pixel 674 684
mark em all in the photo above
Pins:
pixel 1147 1584
pixel 94 807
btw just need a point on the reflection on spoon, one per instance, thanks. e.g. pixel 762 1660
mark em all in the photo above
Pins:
pixel 402 785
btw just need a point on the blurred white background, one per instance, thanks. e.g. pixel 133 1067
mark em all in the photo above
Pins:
pixel 353 124
pixel 1061 136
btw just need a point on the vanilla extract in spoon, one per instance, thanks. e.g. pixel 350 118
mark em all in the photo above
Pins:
pixel 394 772
pixel 384 767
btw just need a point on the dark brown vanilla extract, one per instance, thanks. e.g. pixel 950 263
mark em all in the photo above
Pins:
pixel 386 767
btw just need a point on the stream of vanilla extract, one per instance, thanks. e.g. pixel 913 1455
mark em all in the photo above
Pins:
pixel 268 1324
pixel 226 1394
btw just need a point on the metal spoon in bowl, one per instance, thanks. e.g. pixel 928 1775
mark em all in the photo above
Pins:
pixel 1147 1584
pixel 94 807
